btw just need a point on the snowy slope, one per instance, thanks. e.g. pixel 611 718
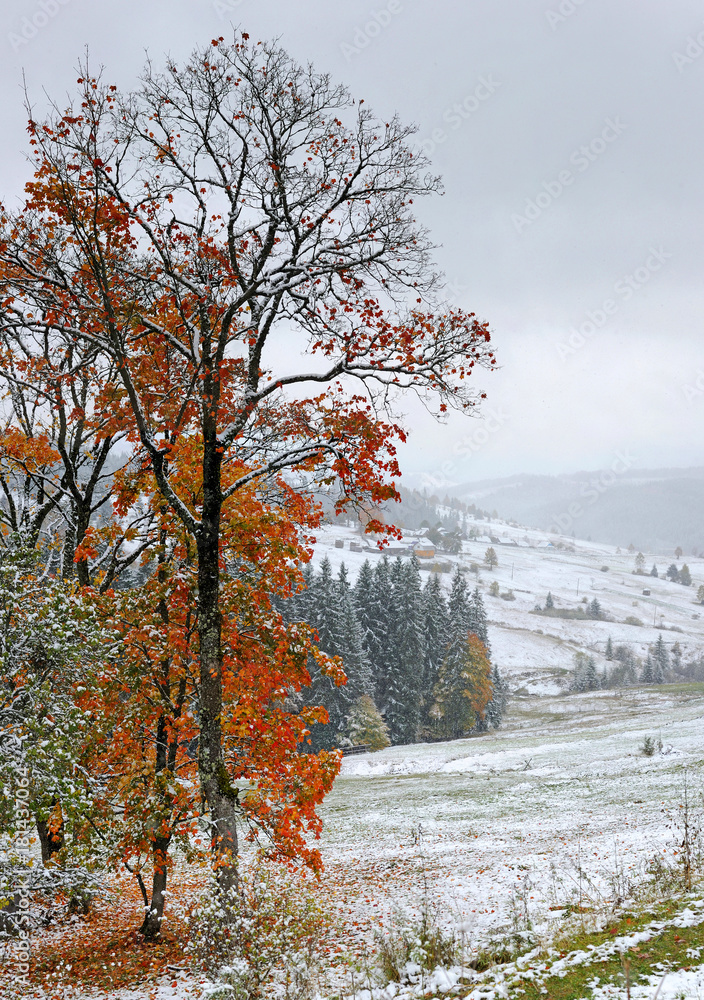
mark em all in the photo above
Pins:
pixel 533 649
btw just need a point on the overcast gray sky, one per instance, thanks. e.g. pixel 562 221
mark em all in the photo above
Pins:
pixel 570 139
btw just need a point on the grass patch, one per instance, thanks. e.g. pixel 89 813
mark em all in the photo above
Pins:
pixel 668 949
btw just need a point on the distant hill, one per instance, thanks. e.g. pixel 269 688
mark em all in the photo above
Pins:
pixel 654 509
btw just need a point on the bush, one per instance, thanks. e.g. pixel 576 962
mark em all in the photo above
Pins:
pixel 494 588
pixel 632 620
pixel 54 894
pixel 650 746
pixel 420 943
pixel 262 938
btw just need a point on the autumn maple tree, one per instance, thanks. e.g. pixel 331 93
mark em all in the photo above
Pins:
pixel 149 798
pixel 234 243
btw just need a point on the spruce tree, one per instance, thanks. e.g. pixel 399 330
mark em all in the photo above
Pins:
pixel 476 619
pixel 585 676
pixel 406 653
pixel 436 627
pixel 451 709
pixel 458 607
pixel 363 594
pixel 496 707
pixel 351 645
pixel 609 652
pixel 662 660
pixel 463 689
pixel 549 602
pixel 595 609
pixel 324 609
pixel 654 571
pixel 676 654
pixel 648 674
pixel 380 629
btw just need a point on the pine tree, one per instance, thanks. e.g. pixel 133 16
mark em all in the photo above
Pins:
pixel 609 651
pixel 496 707
pixel 654 571
pixel 685 576
pixel 662 660
pixel 595 609
pixel 648 674
pixel 676 654
pixel 549 602
pixel 435 627
pixel 324 608
pixel 380 629
pixel 476 621
pixel 406 655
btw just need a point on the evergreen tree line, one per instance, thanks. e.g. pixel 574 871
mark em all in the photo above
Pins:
pixel 625 668
pixel 423 659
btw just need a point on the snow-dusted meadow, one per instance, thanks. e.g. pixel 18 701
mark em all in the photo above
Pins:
pixel 557 810
pixel 559 807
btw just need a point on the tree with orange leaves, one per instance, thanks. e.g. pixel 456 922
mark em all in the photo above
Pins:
pixel 463 689
pixel 236 238
pixel 149 693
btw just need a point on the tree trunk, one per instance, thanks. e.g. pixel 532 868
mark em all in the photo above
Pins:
pixel 51 833
pixel 214 779
pixel 151 927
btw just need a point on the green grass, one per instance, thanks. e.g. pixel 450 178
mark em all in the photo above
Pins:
pixel 666 948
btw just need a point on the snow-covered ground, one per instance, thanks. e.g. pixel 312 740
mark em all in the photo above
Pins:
pixel 509 819
pixel 558 807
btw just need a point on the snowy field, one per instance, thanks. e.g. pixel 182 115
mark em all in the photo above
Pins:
pixel 505 821
pixel 559 809
pixel 515 827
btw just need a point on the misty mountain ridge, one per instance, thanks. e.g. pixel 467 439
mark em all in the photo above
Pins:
pixel 656 510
